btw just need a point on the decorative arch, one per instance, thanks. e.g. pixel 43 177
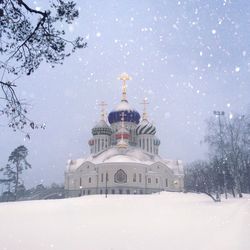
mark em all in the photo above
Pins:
pixel 120 176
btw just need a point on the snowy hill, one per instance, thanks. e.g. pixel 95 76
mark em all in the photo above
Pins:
pixel 146 222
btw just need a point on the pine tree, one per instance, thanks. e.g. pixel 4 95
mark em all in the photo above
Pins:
pixel 17 163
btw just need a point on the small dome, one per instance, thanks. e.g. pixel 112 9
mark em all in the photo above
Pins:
pixel 145 127
pixel 157 142
pixel 101 128
pixel 130 115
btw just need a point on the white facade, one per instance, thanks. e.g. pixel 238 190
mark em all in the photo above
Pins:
pixel 124 158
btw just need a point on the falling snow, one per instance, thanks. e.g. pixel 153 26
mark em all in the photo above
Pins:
pixel 187 57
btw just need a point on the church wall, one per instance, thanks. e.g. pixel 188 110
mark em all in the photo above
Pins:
pixel 140 178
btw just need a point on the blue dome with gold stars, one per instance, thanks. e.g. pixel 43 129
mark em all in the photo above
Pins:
pixel 124 109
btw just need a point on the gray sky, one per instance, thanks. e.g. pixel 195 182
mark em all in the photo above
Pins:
pixel 187 57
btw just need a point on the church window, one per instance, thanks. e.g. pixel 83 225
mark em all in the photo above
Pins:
pixel 156 180
pixel 139 177
pixel 120 176
pixel 80 182
pixel 89 179
pixel 140 143
pixel 98 145
pixel 149 180
pixel 134 178
pixel 107 177
pixel 101 177
pixel 102 143
pixel 166 182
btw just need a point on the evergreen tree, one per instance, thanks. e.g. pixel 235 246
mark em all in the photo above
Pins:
pixel 17 163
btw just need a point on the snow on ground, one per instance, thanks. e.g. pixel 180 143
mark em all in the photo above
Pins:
pixel 128 222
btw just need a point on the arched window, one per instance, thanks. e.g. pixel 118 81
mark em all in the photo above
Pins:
pixel 101 177
pixel 156 180
pixel 80 182
pixel 166 182
pixel 139 177
pixel 120 176
pixel 89 179
pixel 134 178
pixel 98 145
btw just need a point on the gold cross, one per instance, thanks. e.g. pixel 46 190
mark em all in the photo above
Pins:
pixel 144 103
pixel 124 77
pixel 102 104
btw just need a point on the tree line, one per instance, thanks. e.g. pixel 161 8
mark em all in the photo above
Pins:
pixel 227 169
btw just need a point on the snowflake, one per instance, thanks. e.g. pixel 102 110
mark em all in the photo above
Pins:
pixel 213 31
pixel 237 69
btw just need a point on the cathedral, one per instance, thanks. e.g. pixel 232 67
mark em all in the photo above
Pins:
pixel 124 156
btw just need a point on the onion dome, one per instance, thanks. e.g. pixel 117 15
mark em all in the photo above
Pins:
pixel 130 115
pixel 145 128
pixel 101 128
pixel 122 133
pixel 91 142
pixel 157 142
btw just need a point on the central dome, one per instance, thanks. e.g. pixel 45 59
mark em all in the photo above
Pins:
pixel 130 115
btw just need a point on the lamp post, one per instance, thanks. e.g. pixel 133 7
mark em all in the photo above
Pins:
pixel 106 184
pixel 219 114
pixel 80 190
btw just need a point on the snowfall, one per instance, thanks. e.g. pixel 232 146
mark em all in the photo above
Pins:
pixel 132 222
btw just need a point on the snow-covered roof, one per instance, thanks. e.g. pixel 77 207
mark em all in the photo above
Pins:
pixel 128 155
pixel 123 105
pixel 114 154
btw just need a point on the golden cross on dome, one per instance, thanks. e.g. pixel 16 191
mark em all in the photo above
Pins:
pixel 124 77
pixel 102 104
pixel 144 103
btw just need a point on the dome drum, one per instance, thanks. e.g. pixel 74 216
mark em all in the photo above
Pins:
pixel 120 136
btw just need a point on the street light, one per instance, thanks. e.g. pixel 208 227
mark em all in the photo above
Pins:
pixel 80 190
pixel 219 114
pixel 106 182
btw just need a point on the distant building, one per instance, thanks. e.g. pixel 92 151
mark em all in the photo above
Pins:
pixel 124 157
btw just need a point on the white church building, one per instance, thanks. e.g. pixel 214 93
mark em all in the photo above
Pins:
pixel 124 157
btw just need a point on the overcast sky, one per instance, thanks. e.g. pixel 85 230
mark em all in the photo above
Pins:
pixel 187 57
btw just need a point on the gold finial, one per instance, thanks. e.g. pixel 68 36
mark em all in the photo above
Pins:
pixel 124 77
pixel 102 104
pixel 144 103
